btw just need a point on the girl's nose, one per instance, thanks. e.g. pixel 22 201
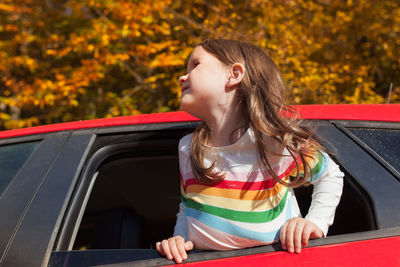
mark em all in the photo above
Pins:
pixel 182 79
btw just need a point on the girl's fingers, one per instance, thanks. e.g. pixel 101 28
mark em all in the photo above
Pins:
pixel 189 245
pixel 306 234
pixel 297 235
pixel 159 248
pixel 180 244
pixel 289 232
pixel 283 236
pixel 166 250
pixel 316 232
pixel 296 232
pixel 174 250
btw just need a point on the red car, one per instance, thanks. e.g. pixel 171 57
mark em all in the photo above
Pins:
pixel 102 192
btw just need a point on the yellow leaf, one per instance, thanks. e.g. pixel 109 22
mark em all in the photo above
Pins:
pixel 147 19
pixel 74 102
pixel 125 30
pixel 51 52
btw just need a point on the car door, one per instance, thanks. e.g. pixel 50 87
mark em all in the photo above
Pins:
pixel 364 208
pixel 38 195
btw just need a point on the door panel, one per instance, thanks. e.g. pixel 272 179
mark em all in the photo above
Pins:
pixel 35 237
pixel 16 198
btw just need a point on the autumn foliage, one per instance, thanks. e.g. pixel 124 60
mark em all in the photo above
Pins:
pixel 83 59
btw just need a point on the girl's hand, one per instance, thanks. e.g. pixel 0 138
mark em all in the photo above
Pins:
pixel 296 232
pixel 174 248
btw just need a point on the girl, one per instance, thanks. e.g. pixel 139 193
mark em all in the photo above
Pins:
pixel 239 166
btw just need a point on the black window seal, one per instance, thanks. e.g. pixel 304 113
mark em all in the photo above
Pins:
pixel 25 139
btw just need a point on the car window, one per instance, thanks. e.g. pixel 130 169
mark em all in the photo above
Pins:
pixel 121 212
pixel 385 143
pixel 12 157
pixel 129 202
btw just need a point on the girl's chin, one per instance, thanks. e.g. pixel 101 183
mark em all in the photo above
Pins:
pixel 185 107
pixel 191 109
pixel 186 102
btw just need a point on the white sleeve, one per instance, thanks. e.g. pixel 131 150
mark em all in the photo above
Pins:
pixel 183 151
pixel 181 224
pixel 326 196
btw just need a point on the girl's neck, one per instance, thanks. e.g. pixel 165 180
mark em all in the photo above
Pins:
pixel 225 127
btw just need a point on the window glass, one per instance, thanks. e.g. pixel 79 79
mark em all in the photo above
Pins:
pixel 385 143
pixel 12 157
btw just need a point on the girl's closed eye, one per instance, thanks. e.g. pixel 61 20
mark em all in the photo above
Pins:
pixel 192 65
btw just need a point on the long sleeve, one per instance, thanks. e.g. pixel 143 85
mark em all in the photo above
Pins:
pixel 181 224
pixel 181 227
pixel 326 196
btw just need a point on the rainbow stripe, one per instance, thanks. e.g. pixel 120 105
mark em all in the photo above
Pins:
pixel 318 164
pixel 237 215
pixel 239 208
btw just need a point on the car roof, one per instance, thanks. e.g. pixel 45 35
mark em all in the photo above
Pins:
pixel 364 112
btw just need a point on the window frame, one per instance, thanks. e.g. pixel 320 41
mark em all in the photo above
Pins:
pixel 326 130
pixel 109 142
pixel 35 230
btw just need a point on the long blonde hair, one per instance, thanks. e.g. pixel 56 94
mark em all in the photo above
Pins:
pixel 261 91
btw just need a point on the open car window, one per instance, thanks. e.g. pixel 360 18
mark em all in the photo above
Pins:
pixel 132 205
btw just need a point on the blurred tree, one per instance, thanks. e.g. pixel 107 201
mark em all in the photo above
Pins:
pixel 66 60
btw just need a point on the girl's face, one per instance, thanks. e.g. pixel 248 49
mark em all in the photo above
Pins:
pixel 203 87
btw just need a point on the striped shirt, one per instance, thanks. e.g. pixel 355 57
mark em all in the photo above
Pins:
pixel 249 207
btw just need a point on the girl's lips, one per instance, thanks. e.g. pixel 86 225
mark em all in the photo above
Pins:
pixel 185 88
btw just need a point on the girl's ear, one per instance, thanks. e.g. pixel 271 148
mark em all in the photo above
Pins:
pixel 236 74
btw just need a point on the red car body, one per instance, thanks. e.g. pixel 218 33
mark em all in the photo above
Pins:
pixel 369 112
pixel 374 248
